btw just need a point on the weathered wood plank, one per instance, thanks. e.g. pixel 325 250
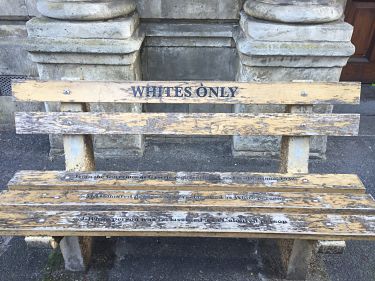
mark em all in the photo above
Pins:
pixel 180 223
pixel 188 124
pixel 230 201
pixel 194 181
pixel 300 259
pixel 186 92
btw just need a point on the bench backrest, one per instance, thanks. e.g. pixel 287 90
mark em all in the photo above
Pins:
pixel 296 125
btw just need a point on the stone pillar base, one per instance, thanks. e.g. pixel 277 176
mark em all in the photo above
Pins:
pixel 90 49
pixel 272 51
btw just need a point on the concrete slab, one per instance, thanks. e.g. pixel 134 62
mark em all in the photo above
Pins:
pixel 271 31
pixel 119 28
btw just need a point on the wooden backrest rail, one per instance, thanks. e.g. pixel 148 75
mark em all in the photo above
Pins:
pixel 295 126
pixel 294 123
pixel 188 92
pixel 187 124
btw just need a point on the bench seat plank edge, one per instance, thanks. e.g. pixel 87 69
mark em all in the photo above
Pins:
pixel 180 223
pixel 135 200
pixel 168 180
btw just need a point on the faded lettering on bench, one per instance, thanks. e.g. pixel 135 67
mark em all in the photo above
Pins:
pixel 248 221
pixel 213 178
pixel 180 196
pixel 184 92
pixel 168 180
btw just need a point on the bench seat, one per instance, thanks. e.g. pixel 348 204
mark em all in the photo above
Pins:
pixel 167 180
pixel 188 224
pixel 252 205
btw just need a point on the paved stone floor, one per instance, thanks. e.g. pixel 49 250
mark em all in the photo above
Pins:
pixel 191 258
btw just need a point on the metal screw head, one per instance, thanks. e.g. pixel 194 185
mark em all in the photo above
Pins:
pixel 304 94
pixel 66 92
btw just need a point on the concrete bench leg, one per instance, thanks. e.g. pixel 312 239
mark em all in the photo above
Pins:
pixel 79 156
pixel 76 252
pixel 300 259
pixel 296 257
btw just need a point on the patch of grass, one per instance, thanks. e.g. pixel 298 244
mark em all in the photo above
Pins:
pixel 54 263
pixel 55 271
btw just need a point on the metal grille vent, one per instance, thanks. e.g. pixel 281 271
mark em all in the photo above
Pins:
pixel 6 83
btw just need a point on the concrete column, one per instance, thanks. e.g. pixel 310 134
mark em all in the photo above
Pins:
pixel 282 40
pixel 13 56
pixel 89 40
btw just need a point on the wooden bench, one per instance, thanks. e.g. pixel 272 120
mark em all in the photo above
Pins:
pixel 293 206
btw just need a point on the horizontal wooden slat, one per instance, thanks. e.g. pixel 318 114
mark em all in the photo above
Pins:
pixel 138 200
pixel 195 181
pixel 177 92
pixel 182 223
pixel 187 124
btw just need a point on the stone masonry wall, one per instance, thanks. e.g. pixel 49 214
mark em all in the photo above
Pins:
pixel 14 60
pixel 253 40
